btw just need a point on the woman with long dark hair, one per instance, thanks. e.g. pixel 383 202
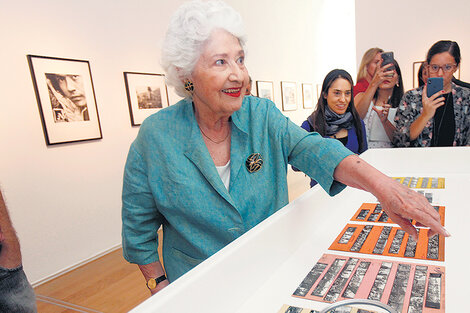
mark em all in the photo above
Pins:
pixel 442 119
pixel 379 119
pixel 335 115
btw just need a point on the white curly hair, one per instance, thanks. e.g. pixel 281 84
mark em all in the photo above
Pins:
pixel 190 27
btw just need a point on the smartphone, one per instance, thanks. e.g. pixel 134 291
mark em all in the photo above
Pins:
pixel 387 58
pixel 435 84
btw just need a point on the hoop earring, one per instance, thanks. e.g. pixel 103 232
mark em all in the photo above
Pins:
pixel 188 86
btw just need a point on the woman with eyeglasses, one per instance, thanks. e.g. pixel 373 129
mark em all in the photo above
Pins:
pixel 335 115
pixel 442 119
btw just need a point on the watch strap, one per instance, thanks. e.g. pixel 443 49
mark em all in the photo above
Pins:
pixel 153 282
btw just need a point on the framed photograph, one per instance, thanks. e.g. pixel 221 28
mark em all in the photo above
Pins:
pixel 66 99
pixel 289 96
pixel 308 97
pixel 318 91
pixel 416 66
pixel 146 94
pixel 265 89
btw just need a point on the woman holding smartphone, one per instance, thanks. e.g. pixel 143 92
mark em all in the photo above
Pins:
pixel 441 119
pixel 370 75
pixel 380 116
pixel 335 115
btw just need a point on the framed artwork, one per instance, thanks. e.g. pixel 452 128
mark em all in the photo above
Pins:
pixel 265 89
pixel 66 99
pixel 416 66
pixel 289 96
pixel 308 97
pixel 146 94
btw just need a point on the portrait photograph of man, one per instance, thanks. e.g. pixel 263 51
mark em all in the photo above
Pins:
pixel 67 95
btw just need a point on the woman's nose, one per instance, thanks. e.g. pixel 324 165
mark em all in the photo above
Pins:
pixel 236 73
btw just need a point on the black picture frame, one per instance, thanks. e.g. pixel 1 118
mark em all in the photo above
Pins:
pixel 147 93
pixel 66 99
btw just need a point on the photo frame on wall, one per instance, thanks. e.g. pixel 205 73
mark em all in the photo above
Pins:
pixel 66 99
pixel 308 97
pixel 146 95
pixel 265 89
pixel 416 66
pixel 289 96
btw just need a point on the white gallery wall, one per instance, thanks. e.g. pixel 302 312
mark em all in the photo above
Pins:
pixel 410 28
pixel 65 199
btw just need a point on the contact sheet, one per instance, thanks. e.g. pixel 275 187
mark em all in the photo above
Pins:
pixel 422 182
pixel 372 212
pixel 389 241
pixel 406 287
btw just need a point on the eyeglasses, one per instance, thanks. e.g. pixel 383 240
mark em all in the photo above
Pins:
pixel 434 68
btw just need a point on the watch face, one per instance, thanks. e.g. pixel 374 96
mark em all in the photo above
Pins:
pixel 151 283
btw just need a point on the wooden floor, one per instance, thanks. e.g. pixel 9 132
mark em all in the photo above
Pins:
pixel 110 283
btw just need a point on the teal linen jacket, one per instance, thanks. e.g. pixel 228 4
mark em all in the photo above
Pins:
pixel 171 180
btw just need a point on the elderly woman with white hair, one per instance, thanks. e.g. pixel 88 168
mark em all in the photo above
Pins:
pixel 214 165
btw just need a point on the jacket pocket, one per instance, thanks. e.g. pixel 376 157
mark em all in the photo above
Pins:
pixel 184 257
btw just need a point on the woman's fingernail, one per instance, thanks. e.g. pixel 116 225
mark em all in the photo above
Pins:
pixel 446 233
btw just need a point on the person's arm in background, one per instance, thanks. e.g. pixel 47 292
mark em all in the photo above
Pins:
pixel 16 294
pixel 383 116
pixel 400 202
pixel 10 253
pixel 429 109
pixel 362 100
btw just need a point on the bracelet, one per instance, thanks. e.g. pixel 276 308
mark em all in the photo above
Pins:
pixel 153 282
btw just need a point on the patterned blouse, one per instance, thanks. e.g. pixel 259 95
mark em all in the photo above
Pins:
pixel 411 107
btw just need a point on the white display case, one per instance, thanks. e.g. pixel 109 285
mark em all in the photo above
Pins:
pixel 259 271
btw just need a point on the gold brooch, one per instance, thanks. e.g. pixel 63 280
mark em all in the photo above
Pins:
pixel 254 162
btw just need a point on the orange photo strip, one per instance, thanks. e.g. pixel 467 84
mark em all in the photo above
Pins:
pixel 389 241
pixel 372 212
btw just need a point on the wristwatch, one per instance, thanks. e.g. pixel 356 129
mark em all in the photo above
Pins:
pixel 153 282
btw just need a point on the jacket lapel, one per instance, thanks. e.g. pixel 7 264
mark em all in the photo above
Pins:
pixel 238 148
pixel 197 152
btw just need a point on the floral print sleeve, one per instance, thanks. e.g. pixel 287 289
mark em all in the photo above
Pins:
pixel 462 115
pixel 409 109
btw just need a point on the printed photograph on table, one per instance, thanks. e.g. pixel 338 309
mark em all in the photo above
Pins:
pixel 289 96
pixel 422 182
pixel 265 89
pixel 389 241
pixel 146 94
pixel 308 97
pixel 66 99
pixel 405 287
pixel 295 309
pixel 372 212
